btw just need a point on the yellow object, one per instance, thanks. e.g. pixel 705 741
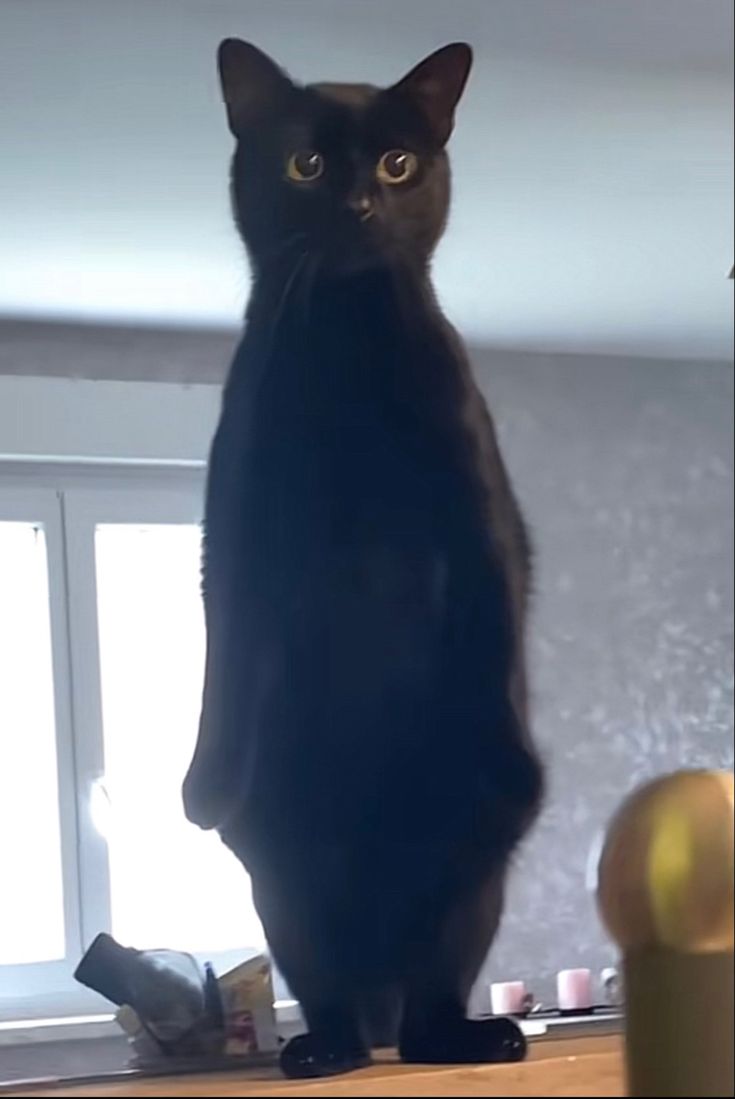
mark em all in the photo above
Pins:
pixel 666 872
pixel 667 896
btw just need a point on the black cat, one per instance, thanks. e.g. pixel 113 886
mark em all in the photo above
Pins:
pixel 364 746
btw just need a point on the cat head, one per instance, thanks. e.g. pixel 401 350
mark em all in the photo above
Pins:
pixel 352 175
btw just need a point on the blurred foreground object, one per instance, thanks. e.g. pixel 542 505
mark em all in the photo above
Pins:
pixel 666 895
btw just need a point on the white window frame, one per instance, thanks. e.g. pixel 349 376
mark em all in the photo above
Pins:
pixel 70 501
pixel 84 509
pixel 39 988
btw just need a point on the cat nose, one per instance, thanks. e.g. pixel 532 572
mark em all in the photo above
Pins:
pixel 362 206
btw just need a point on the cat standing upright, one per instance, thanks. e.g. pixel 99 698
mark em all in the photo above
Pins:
pixel 364 745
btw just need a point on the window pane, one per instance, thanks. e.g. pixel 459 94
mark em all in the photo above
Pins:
pixel 172 885
pixel 31 910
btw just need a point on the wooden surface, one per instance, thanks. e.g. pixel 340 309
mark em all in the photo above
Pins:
pixel 581 1067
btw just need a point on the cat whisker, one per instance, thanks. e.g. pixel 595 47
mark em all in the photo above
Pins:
pixel 297 268
pixel 285 245
pixel 310 272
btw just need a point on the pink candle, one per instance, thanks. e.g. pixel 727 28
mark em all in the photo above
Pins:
pixel 508 998
pixel 574 989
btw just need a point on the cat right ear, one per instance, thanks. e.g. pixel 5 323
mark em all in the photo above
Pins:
pixel 251 82
pixel 436 85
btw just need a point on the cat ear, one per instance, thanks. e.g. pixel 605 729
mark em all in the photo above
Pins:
pixel 250 81
pixel 436 84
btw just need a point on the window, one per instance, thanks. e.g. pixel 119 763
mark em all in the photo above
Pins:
pixel 32 912
pixel 149 576
pixel 101 661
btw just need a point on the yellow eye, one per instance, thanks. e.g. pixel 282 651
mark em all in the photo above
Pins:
pixel 304 166
pixel 396 166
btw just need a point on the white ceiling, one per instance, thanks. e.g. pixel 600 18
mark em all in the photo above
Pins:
pixel 593 160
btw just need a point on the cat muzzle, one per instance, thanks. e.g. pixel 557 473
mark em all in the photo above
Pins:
pixel 362 206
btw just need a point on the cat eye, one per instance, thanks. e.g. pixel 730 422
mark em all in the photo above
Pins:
pixel 396 166
pixel 304 166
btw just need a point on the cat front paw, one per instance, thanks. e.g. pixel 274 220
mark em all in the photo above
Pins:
pixel 464 1041
pixel 313 1055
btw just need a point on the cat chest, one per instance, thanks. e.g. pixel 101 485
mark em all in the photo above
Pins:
pixel 346 456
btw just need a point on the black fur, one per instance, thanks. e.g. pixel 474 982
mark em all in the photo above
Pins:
pixel 363 746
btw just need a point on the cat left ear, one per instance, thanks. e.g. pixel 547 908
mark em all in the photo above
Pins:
pixel 436 85
pixel 251 82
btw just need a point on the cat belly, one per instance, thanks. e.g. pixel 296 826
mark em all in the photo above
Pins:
pixel 364 732
pixel 362 556
pixel 366 552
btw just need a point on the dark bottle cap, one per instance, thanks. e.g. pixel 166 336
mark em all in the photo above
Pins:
pixel 106 968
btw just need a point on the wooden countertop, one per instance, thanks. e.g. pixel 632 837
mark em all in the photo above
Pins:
pixel 590 1066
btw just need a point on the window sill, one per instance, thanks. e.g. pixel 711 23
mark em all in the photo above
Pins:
pixel 76 1028
pixel 288 1019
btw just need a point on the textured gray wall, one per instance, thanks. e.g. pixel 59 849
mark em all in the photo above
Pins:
pixel 625 472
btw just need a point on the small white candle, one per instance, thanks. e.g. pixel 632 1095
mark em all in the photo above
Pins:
pixel 574 989
pixel 508 998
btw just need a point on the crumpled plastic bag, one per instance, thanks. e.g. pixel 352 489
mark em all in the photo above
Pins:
pixel 247 1022
pixel 171 1008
